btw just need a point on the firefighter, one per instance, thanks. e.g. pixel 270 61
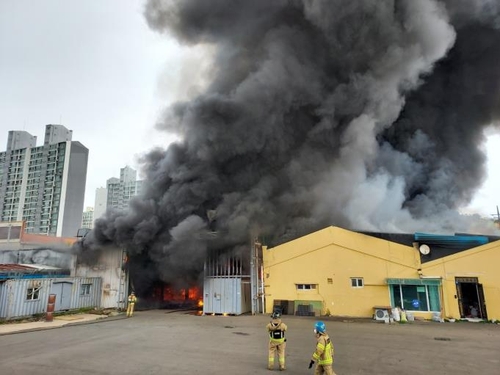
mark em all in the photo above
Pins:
pixel 323 355
pixel 132 299
pixel 277 341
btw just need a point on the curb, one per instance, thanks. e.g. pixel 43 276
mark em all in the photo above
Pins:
pixel 99 320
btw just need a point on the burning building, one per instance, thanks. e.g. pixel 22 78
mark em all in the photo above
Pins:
pixel 360 114
pixel 227 287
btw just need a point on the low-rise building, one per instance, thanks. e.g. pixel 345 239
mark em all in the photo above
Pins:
pixel 34 266
pixel 344 273
pixel 25 289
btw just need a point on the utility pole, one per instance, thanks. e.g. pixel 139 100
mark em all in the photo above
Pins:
pixel 496 217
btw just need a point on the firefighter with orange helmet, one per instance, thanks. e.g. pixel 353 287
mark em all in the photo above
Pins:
pixel 132 299
pixel 277 341
pixel 323 355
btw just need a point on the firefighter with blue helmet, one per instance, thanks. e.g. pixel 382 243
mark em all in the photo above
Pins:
pixel 323 355
pixel 277 341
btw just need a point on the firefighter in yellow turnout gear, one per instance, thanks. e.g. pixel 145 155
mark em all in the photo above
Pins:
pixel 132 299
pixel 323 355
pixel 277 341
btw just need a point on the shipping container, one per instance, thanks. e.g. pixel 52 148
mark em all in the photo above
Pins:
pixel 226 295
pixel 227 283
pixel 27 297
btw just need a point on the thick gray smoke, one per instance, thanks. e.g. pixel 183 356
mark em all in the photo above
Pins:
pixel 358 113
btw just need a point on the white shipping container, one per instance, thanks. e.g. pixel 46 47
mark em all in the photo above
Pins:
pixel 226 295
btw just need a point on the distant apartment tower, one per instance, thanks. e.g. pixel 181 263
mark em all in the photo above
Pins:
pixel 121 190
pixel 88 218
pixel 101 195
pixel 44 185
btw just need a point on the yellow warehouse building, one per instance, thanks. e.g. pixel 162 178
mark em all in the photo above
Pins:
pixel 344 273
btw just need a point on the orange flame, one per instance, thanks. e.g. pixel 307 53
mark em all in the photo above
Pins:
pixel 172 294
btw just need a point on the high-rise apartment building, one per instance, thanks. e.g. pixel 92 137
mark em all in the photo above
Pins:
pixel 101 195
pixel 44 185
pixel 121 190
pixel 88 218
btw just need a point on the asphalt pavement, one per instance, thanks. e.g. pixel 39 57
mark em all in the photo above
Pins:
pixel 162 342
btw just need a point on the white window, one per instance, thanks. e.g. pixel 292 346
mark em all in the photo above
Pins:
pixel 306 286
pixel 32 294
pixel 85 289
pixel 357 282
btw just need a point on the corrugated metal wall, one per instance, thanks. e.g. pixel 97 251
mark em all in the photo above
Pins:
pixel 109 267
pixel 14 301
pixel 91 299
pixel 13 297
pixel 226 295
pixel 226 285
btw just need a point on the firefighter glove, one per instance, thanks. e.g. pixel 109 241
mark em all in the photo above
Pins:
pixel 311 363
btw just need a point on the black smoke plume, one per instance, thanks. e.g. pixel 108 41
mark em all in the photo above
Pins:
pixel 364 114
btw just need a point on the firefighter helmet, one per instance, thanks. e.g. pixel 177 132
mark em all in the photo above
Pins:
pixel 319 327
pixel 276 315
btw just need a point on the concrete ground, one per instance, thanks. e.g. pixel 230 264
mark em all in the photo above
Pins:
pixel 161 342
pixel 57 322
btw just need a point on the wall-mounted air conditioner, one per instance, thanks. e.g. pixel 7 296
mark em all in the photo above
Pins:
pixel 381 314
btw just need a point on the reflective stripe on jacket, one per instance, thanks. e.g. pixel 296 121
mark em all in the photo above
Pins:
pixel 324 351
